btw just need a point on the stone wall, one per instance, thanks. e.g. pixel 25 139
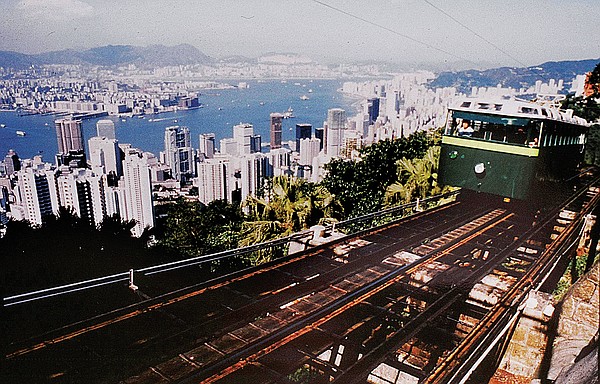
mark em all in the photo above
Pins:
pixel 577 325
pixel 546 343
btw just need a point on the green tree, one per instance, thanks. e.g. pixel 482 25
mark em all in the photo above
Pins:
pixel 417 178
pixel 288 205
pixel 584 107
pixel 194 229
pixel 66 248
pixel 360 186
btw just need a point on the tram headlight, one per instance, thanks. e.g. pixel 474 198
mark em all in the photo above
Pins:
pixel 480 169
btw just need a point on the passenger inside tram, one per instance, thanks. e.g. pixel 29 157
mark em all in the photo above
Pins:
pixel 465 129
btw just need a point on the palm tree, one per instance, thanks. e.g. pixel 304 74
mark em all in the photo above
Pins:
pixel 417 178
pixel 291 205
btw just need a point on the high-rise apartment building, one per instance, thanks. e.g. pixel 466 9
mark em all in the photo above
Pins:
pixel 137 191
pixel 253 170
pixel 35 192
pixel 179 154
pixel 212 180
pixel 82 191
pixel 309 149
pixel 105 128
pixel 280 161
pixel 207 145
pixel 303 131
pixel 276 128
pixel 336 123
pixel 228 146
pixel 105 155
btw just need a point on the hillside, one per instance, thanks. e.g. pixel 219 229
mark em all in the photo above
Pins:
pixel 111 55
pixel 514 77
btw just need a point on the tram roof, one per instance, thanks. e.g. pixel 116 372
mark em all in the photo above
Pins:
pixel 516 108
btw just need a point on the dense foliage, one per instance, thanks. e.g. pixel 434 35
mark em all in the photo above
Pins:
pixel 589 109
pixel 360 186
pixel 193 229
pixel 417 179
pixel 288 205
pixel 65 249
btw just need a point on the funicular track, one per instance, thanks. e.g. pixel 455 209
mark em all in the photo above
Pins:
pixel 334 312
pixel 422 320
pixel 147 333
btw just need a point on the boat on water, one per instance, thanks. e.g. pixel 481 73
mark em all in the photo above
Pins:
pixel 304 97
pixel 2 125
pixel 310 90
pixel 21 133
pixel 289 113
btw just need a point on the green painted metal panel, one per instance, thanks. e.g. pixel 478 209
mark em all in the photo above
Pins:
pixel 498 173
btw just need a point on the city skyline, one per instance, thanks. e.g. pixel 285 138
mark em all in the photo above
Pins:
pixel 496 33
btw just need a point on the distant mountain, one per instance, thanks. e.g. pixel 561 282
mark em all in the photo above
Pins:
pixel 17 60
pixel 111 55
pixel 514 77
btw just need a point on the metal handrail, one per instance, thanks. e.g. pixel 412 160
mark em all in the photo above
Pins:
pixel 282 241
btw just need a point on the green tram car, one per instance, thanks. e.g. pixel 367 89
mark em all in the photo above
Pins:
pixel 510 148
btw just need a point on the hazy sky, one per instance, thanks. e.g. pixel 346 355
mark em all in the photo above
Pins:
pixel 528 31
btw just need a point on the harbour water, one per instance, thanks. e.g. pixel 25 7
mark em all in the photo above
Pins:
pixel 222 109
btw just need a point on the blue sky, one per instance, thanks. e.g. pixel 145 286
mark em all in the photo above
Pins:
pixel 529 32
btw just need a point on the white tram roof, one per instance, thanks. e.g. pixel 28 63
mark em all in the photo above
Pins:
pixel 516 108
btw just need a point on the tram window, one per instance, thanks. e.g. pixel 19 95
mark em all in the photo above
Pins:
pixel 528 110
pixel 465 129
pixel 498 107
pixel 465 104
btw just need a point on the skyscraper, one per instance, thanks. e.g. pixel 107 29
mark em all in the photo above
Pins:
pixel 320 134
pixel 212 180
pixel 105 128
pixel 69 135
pixel 82 191
pixel 179 155
pixel 280 161
pixel 276 123
pixel 138 191
pixel 336 123
pixel 253 170
pixel 303 131
pixel 207 145
pixel 242 135
pixel 105 155
pixel 373 109
pixel 309 149
pixel 12 163
pixel 35 193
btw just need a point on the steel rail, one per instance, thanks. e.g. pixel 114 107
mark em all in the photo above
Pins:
pixel 165 267
pixel 351 300
pixel 172 297
pixel 457 362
